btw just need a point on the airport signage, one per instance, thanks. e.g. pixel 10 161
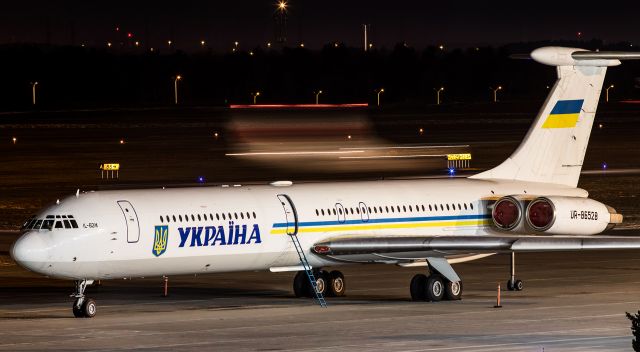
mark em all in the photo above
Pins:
pixel 110 167
pixel 464 156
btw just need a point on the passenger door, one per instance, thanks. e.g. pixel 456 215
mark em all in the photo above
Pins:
pixel 290 214
pixel 131 220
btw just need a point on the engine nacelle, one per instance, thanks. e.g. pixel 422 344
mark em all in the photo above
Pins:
pixel 570 216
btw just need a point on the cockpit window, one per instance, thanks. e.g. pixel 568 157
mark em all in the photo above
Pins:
pixel 51 222
pixel 47 224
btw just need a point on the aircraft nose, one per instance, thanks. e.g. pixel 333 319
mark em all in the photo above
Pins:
pixel 30 251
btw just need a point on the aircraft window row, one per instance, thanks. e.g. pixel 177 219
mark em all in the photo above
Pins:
pixel 200 217
pixel 394 209
pixel 51 222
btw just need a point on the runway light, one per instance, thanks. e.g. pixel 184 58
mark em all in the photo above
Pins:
pixel 14 139
pixel 604 166
pixel 215 135
pixel 109 44
pixel 129 35
pixel 600 126
pixel 202 42
pixel 349 137
pixel 201 179
pixel 421 130
pixel 122 141
pixel 137 43
pixel 452 171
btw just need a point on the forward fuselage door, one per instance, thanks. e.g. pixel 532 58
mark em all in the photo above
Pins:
pixel 291 216
pixel 131 220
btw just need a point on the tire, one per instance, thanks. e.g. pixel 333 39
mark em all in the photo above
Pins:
pixel 322 283
pixel 417 287
pixel 435 288
pixel 89 308
pixel 511 285
pixel 453 290
pixel 301 284
pixel 77 311
pixel 518 285
pixel 337 285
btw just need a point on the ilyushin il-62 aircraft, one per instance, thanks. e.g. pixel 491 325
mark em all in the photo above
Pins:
pixel 529 203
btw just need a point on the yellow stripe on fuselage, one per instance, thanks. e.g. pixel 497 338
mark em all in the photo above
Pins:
pixel 364 227
pixel 561 121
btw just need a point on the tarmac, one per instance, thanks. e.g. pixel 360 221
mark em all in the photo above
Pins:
pixel 571 301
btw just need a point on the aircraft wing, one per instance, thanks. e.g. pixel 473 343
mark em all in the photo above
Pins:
pixel 422 247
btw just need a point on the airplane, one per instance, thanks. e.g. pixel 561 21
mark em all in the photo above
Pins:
pixel 528 203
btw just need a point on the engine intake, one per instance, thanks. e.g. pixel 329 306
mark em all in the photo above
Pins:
pixel 507 213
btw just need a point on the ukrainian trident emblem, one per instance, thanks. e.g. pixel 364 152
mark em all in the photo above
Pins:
pixel 160 240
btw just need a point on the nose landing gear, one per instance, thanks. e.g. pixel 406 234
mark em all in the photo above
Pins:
pixel 83 307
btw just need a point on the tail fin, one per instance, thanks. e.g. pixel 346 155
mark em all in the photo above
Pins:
pixel 553 150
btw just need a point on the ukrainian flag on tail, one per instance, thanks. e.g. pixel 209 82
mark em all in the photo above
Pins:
pixel 564 115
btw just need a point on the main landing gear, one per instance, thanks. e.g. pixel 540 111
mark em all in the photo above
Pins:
pixel 83 307
pixel 328 283
pixel 434 288
pixel 514 284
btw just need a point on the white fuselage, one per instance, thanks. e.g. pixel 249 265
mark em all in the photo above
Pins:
pixel 222 229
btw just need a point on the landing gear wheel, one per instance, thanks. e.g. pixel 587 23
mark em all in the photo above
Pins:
pixel 453 290
pixel 417 287
pixel 77 309
pixel 85 308
pixel 322 283
pixel 435 288
pixel 301 284
pixel 516 285
pixel 519 285
pixel 89 308
pixel 337 286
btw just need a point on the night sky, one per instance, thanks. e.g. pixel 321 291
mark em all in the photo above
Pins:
pixel 419 23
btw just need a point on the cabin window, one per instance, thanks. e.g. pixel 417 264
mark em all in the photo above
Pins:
pixel 404 208
pixel 254 214
pixel 447 206
pixel 199 218
pixel 59 225
pixel 465 206
pixel 161 220
pixel 241 216
pixel 322 211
